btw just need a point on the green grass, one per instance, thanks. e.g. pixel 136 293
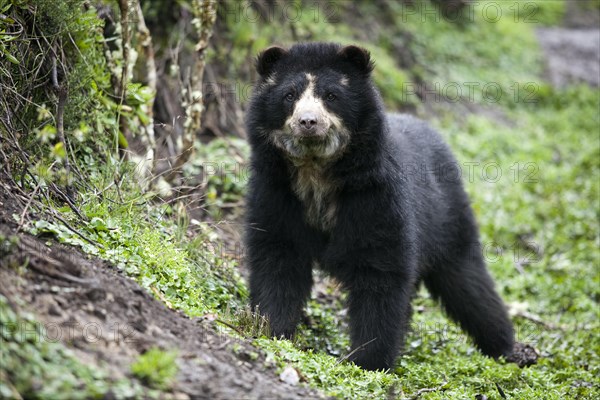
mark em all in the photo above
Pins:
pixel 221 165
pixel 542 220
pixel 142 236
pixel 156 367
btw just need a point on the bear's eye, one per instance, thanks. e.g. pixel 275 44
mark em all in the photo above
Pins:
pixel 289 96
pixel 330 97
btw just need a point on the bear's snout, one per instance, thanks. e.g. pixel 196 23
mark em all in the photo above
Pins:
pixel 308 123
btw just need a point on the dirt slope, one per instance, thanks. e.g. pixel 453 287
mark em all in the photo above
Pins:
pixel 106 317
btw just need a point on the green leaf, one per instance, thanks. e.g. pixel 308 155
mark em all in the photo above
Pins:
pixel 123 141
pixel 10 57
pixel 98 224
pixel 46 134
pixel 138 94
pixel 59 150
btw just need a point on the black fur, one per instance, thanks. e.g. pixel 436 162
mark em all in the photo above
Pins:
pixel 402 215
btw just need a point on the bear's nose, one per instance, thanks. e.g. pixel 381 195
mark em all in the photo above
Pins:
pixel 308 121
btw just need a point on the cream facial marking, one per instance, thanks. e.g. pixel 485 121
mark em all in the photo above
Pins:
pixel 344 81
pixel 309 103
pixel 311 152
pixel 325 140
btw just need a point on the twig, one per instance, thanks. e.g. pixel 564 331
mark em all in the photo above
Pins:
pixel 61 91
pixel 500 391
pixel 69 227
pixel 227 324
pixel 161 297
pixel 427 390
pixel 118 181
pixel 14 391
pixel 362 346
pixel 538 320
pixel 69 202
pixel 5 163
pixel 22 219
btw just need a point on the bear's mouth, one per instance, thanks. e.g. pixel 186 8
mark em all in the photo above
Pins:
pixel 305 147
pixel 311 141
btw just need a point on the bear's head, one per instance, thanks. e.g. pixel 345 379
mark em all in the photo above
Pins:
pixel 311 99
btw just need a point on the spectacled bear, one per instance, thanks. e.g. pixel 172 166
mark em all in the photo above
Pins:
pixel 364 195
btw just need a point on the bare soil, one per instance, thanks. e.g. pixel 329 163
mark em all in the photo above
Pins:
pixel 572 51
pixel 572 55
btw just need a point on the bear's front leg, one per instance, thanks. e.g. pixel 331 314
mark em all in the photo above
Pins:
pixel 379 310
pixel 280 284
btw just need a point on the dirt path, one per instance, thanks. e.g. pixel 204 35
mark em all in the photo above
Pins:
pixel 572 52
pixel 107 318
pixel 572 55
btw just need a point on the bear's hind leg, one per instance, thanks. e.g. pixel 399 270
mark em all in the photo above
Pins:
pixel 467 293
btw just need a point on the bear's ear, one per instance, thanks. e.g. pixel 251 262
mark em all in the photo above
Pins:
pixel 267 59
pixel 357 56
